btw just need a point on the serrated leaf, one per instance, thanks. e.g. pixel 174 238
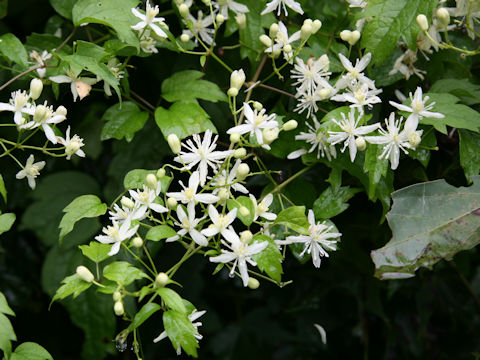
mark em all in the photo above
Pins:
pixel 72 284
pixel 31 351
pixel 183 120
pixel 172 299
pixel 96 251
pixel 3 190
pixel 186 86
pixel 4 308
pixel 180 331
pixel 270 259
pixel 63 7
pixel 469 154
pixel 6 222
pixel 123 273
pixel 467 92
pixel 85 206
pixel 135 179
pixel 13 49
pixel 429 221
pixel 114 13
pixel 160 232
pixel 145 312
pixel 333 202
pixel 294 217
pixel 238 203
pixel 123 121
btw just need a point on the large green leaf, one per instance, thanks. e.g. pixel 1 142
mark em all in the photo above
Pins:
pixel 183 120
pixel 4 308
pixel 390 21
pixel 294 217
pixel 96 251
pixel 63 7
pixel 375 167
pixel 30 351
pixel 85 206
pixel 270 259
pixel 13 49
pixel 71 285
pixel 6 222
pixel 145 312
pixel 160 232
pixel 253 29
pixel 123 273
pixel 429 221
pixel 469 154
pixel 6 334
pixel 180 331
pixel 186 85
pixel 114 13
pixel 467 92
pixel 171 299
pixel 333 202
pixel 123 121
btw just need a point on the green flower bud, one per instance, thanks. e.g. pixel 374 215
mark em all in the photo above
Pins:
pixel 118 308
pixel 85 274
pixel 290 125
pixel 174 143
pixel 161 279
pixel 242 171
pixel 422 22
pixel 137 242
pixel 240 153
pixel 253 283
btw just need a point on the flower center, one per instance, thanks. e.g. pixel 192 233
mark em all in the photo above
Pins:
pixel 222 221
pixel 417 106
pixel 189 193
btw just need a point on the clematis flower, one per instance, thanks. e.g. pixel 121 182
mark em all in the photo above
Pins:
pixel 31 171
pixel 149 20
pixel 79 86
pixel 224 5
pixel 116 235
pixel 282 40
pixel 41 60
pixel 144 200
pixel 222 181
pixel 261 209
pixel 189 194
pixel 201 27
pixel 72 145
pixel 19 105
pixel 44 116
pixel 355 73
pixel 188 223
pixel 308 75
pixel 220 223
pixel 279 4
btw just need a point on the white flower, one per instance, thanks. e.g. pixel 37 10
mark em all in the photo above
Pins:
pixel 318 139
pixel 40 60
pixel 31 171
pixel 282 39
pixel 123 214
pixel 308 75
pixel 417 108
pixel 18 104
pixel 202 152
pixel 201 27
pixel 307 100
pixel 44 116
pixel 350 130
pixel 222 181
pixel 355 73
pixel 394 140
pixel 188 224
pixel 192 317
pixel 255 122
pixel 73 145
pixel 359 96
pixel 147 43
pixel 279 4
pixel 76 83
pixel 224 5
pixel 149 20
pixel 144 200
pixel 114 67
pixel 240 253
pixel 220 222
pixel 261 209
pixel 115 235
pixel 189 194
pixel 317 242
pixel 405 65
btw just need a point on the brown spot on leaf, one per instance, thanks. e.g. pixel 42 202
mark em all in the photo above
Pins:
pixel 476 212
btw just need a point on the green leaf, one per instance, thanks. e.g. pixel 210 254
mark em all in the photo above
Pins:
pixel 4 308
pixel 3 189
pixel 467 92
pixel 114 13
pixel 6 334
pixel 123 273
pixel 91 50
pixel 294 217
pixel 469 154
pixel 160 232
pixel 13 49
pixel 180 331
pixel 63 7
pixel 72 285
pixel 253 29
pixel 135 179
pixel 123 121
pixel 85 206
pixel 3 8
pixel 270 259
pixel 145 312
pixel 172 299
pixel 456 115
pixel 96 251
pixel 31 351
pixel 183 120
pixel 6 222
pixel 238 203
pixel 375 167
pixel 331 203
pixel 392 20
pixel 429 221
pixel 186 86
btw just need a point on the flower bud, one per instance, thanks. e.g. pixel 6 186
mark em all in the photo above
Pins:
pixel 61 110
pixel 257 106
pixel 223 195
pixel 354 37
pixel 360 143
pixel 137 242
pixel 40 113
pixel 232 92
pixel 172 203
pixel 183 10
pixel 273 31
pixel 422 22
pixel 161 173
pixel 241 20
pixel 306 30
pixel 244 211
pixel 174 143
pixel 118 308
pixel 240 153
pixel 324 93
pixel 234 138
pixel 266 40
pixel 36 87
pixel 443 16
pixel 207 2
pixel 414 139
pixel 237 79
pixel 270 135
pixel 184 38
pixel 117 296
pixel 317 24
pixel 253 283
pixel 151 181
pixel 345 35
pixel 287 48
pixel 127 202
pixel 85 274
pixel 290 125
pixel 242 171
pixel 161 279
pixel 246 236
pixel 220 19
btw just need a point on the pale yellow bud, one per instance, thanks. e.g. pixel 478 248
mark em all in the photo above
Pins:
pixel 151 181
pixel 184 38
pixel 242 171
pixel 354 37
pixel 85 274
pixel 172 203
pixel 273 30
pixel 174 143
pixel 317 24
pixel 220 19
pixel 257 105
pixel 290 125
pixel 117 296
pixel 36 87
pixel 253 283
pixel 266 40
pixel 183 10
pixel 161 279
pixel 360 143
pixel 223 195
pixel 137 242
pixel 61 110
pixel 118 308
pixel 234 138
pixel 324 93
pixel 241 20
pixel 232 92
pixel 276 53
pixel 246 236
pixel 443 16
pixel 127 202
pixel 240 153
pixel 306 30
pixel 161 173
pixel 287 48
pixel 244 211
pixel 270 135
pixel 345 35
pixel 237 79
pixel 422 22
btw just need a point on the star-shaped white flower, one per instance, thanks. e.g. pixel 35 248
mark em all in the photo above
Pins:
pixel 220 223
pixel 77 83
pixel 72 145
pixel 279 4
pixel 355 73
pixel 44 116
pixel 261 209
pixel 149 20
pixel 31 171
pixel 282 39
pixel 18 104
pixel 309 74
pixel 222 181
pixel 115 235
pixel 360 95
pixel 201 27
pixel 188 223
pixel 189 194
pixel 144 200
pixel 224 5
